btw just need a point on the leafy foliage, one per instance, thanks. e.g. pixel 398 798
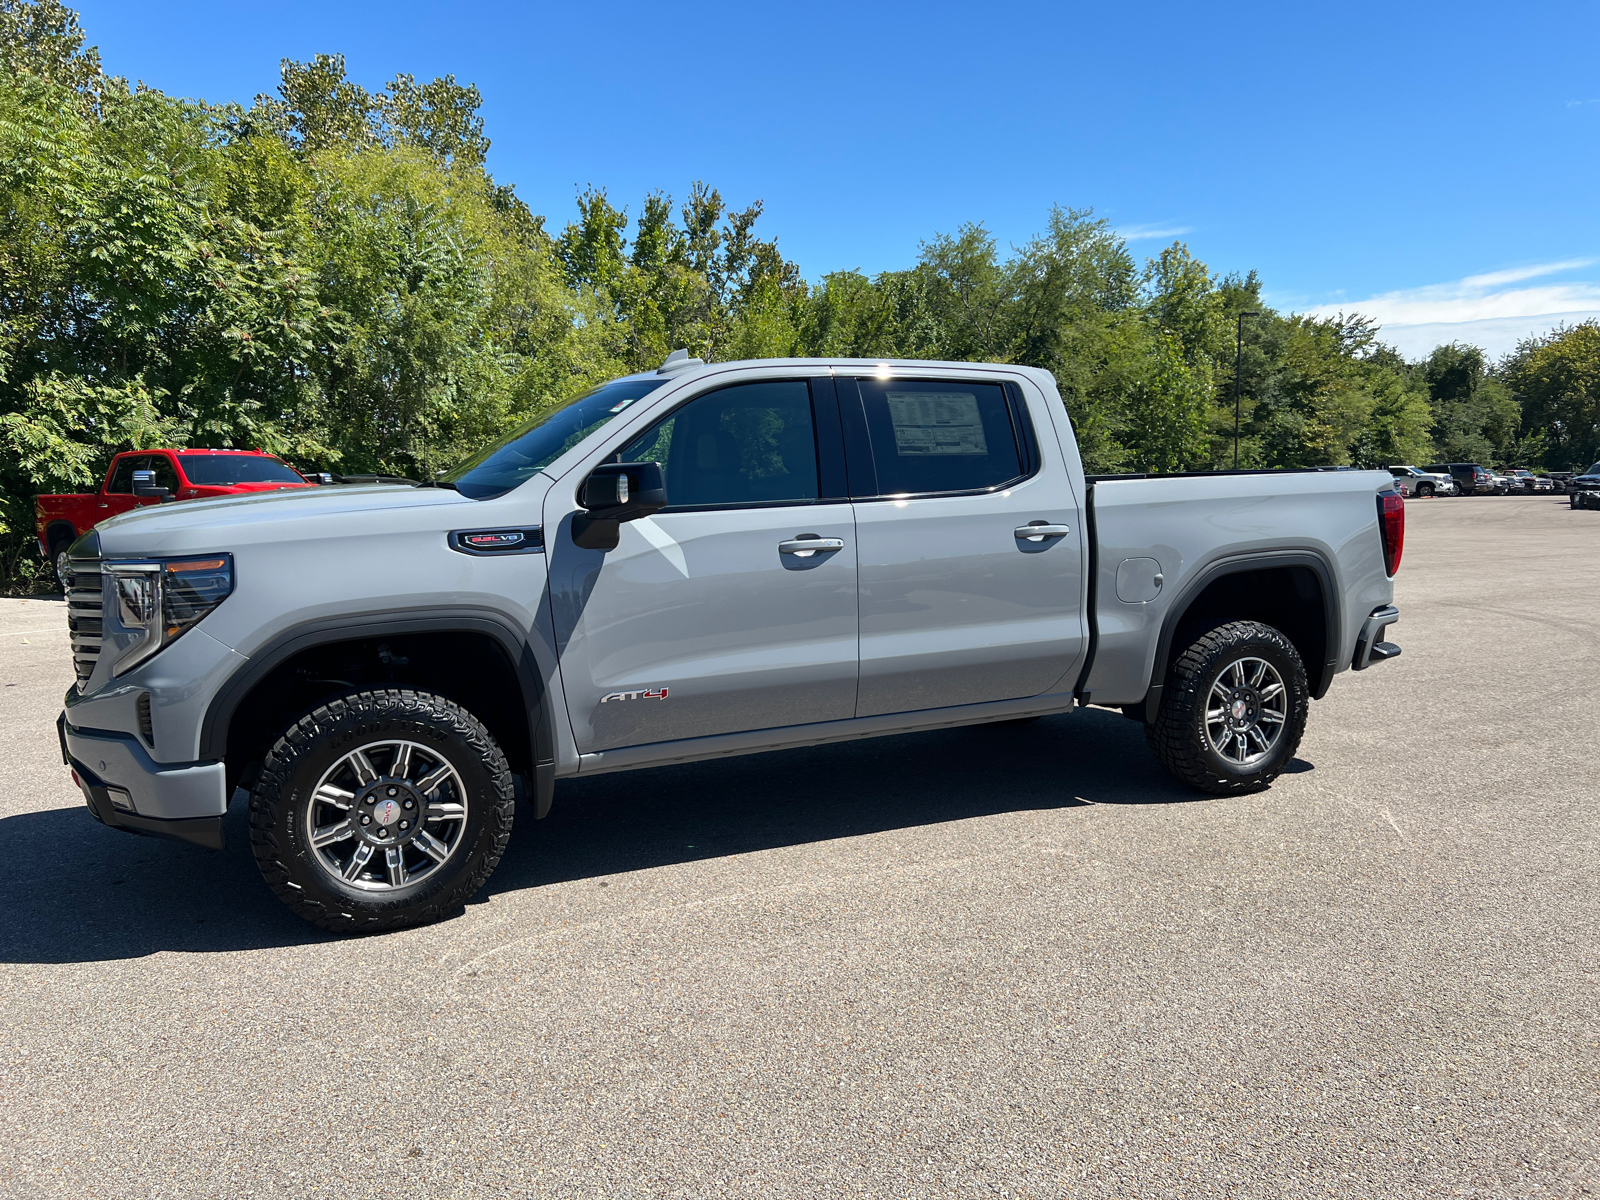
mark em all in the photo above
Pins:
pixel 333 275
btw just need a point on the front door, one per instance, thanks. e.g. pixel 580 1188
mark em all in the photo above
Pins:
pixel 714 616
pixel 960 602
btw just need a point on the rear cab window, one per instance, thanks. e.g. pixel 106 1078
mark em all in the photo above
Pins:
pixel 929 437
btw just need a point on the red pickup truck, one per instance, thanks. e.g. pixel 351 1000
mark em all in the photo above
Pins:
pixel 184 474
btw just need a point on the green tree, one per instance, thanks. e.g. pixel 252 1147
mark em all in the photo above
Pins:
pixel 1556 379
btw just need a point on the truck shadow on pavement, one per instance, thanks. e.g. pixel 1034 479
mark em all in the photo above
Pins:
pixel 77 892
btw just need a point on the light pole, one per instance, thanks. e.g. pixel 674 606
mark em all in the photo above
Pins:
pixel 1238 359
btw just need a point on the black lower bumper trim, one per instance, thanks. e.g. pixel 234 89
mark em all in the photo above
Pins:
pixel 199 831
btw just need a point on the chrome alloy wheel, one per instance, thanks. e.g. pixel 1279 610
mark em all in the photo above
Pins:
pixel 1246 712
pixel 386 815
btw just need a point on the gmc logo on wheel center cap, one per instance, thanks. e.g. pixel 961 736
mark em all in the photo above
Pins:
pixel 647 694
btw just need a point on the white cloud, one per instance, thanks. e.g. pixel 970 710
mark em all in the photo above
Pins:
pixel 1480 309
pixel 1145 233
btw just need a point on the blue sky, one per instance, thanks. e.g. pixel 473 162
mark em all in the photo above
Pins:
pixel 1433 165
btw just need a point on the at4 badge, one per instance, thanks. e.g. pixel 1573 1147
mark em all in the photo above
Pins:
pixel 646 694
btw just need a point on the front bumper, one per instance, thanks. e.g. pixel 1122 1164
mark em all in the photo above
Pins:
pixel 126 789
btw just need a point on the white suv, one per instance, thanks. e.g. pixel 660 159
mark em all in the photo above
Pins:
pixel 1413 481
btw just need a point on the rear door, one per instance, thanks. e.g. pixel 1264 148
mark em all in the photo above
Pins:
pixel 968 543
pixel 715 616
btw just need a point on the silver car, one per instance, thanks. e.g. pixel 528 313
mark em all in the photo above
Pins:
pixel 1413 481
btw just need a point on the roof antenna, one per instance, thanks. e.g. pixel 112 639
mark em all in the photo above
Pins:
pixel 679 360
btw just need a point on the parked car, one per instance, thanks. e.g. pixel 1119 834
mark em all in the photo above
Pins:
pixel 1500 485
pixel 1471 479
pixel 1525 481
pixel 1558 481
pixel 59 520
pixel 1414 482
pixel 1584 490
pixel 700 561
pixel 1543 483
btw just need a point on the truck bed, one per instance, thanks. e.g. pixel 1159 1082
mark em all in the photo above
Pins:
pixel 1315 531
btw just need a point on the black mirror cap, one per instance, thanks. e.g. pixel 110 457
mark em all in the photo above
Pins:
pixel 144 486
pixel 606 496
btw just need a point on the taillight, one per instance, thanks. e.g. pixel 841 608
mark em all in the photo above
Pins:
pixel 1392 525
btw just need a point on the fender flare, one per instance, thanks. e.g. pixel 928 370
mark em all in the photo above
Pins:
pixel 389 623
pixel 1237 564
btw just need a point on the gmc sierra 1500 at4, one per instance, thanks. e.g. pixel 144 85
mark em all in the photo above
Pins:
pixel 701 561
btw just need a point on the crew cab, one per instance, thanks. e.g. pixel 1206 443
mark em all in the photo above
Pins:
pixel 700 561
pixel 59 520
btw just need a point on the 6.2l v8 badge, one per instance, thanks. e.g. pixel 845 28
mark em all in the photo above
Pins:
pixel 646 694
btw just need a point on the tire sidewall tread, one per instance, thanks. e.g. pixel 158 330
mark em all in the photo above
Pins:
pixel 294 765
pixel 1178 736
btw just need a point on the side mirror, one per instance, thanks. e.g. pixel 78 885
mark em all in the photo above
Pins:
pixel 144 486
pixel 614 493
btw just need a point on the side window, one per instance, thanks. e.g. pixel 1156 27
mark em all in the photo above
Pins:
pixel 754 443
pixel 166 475
pixel 939 437
pixel 122 476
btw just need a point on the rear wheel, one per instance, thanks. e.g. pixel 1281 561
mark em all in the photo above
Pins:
pixel 380 810
pixel 1233 709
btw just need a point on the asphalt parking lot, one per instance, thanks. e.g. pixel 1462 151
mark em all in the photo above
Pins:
pixel 994 962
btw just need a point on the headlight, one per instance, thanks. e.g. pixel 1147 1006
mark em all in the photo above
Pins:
pixel 157 602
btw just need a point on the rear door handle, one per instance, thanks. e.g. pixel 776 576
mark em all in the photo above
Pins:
pixel 808 544
pixel 1037 531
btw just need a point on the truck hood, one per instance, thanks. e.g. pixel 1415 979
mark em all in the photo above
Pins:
pixel 145 530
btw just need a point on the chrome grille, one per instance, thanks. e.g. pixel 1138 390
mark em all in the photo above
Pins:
pixel 83 616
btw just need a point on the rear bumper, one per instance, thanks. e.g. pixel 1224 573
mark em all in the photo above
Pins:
pixel 125 789
pixel 1370 646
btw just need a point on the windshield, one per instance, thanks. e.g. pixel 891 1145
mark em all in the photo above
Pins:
pixel 1594 469
pixel 539 442
pixel 222 470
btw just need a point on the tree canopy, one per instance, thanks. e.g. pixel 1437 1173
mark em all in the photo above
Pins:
pixel 332 274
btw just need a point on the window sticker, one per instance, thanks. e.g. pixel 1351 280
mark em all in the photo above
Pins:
pixel 616 408
pixel 928 423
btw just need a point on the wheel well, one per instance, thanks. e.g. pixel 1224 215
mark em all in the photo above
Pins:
pixel 1289 598
pixel 58 532
pixel 473 669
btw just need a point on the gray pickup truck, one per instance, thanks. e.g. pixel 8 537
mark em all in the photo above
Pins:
pixel 700 561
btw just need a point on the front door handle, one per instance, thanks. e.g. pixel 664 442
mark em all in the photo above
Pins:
pixel 1037 531
pixel 807 544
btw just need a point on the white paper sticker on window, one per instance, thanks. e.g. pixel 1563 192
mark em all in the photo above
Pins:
pixel 936 423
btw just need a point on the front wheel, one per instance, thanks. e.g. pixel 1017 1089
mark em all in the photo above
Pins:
pixel 380 810
pixel 1425 490
pixel 1233 709
pixel 63 566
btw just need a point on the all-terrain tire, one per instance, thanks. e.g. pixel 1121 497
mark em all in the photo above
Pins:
pixel 1179 735
pixel 441 729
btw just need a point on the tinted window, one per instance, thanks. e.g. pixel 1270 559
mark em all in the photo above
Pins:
pixel 537 443
pixel 122 473
pixel 165 476
pixel 750 444
pixel 221 470
pixel 939 437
